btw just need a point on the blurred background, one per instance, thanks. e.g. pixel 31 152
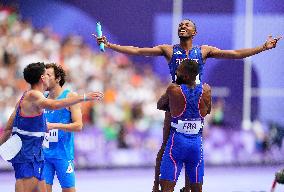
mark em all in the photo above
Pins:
pixel 246 125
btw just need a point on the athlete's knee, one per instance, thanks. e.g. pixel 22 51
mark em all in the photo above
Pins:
pixel 196 187
pixel 19 187
pixel 48 188
pixel 167 186
pixel 71 189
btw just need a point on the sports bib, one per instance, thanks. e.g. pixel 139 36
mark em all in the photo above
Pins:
pixel 188 127
pixel 51 136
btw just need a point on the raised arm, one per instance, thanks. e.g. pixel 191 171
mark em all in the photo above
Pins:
pixel 214 52
pixel 45 103
pixel 76 115
pixel 205 100
pixel 8 129
pixel 160 50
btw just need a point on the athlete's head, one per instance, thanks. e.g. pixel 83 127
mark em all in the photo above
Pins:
pixel 187 71
pixel 56 75
pixel 35 73
pixel 186 29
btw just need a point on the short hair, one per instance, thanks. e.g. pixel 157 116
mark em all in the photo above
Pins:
pixel 190 66
pixel 58 72
pixel 33 72
pixel 195 28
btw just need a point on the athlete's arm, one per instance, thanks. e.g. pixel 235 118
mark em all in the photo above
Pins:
pixel 45 103
pixel 163 103
pixel 76 116
pixel 214 52
pixel 176 99
pixel 9 127
pixel 205 100
pixel 159 50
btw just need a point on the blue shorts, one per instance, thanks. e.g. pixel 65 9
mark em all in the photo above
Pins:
pixel 64 170
pixel 182 149
pixel 30 169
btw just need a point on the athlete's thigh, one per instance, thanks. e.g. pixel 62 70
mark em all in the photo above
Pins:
pixel 30 184
pixel 65 173
pixel 41 186
pixel 48 188
pixel 19 186
pixel 48 172
pixel 194 165
pixel 171 164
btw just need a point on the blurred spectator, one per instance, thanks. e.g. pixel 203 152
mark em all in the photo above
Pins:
pixel 218 112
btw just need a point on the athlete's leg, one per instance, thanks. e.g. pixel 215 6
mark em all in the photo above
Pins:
pixel 41 187
pixel 28 175
pixel 72 189
pixel 29 184
pixel 65 174
pixel 187 183
pixel 196 187
pixel 19 187
pixel 167 186
pixel 172 163
pixel 48 188
pixel 48 173
pixel 166 132
pixel 194 165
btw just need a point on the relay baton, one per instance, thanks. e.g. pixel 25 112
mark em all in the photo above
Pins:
pixel 99 34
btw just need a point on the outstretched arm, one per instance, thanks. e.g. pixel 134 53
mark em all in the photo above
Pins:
pixel 209 51
pixel 44 103
pixel 76 116
pixel 159 50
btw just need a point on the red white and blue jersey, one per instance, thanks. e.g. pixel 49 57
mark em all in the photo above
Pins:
pixel 31 130
pixel 190 112
pixel 180 54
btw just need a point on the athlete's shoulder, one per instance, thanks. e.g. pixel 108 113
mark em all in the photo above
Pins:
pixel 173 88
pixel 165 47
pixel 34 94
pixel 208 48
pixel 205 46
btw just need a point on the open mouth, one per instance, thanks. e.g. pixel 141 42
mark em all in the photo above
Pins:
pixel 182 31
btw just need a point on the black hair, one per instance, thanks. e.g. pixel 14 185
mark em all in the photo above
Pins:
pixel 190 66
pixel 33 72
pixel 58 72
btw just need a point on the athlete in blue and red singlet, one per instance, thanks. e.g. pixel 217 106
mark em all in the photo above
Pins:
pixel 29 123
pixel 174 54
pixel 188 104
